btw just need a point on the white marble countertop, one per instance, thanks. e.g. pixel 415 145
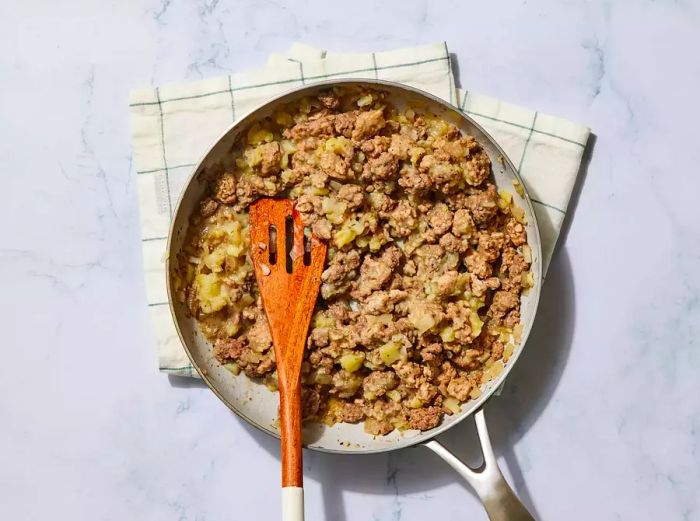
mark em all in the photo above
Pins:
pixel 601 418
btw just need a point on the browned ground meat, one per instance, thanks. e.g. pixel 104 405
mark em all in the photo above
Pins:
pixel 376 271
pixel 459 388
pixel 351 412
pixel 207 207
pixel 310 402
pixel 225 190
pixel 270 158
pixel 377 383
pixel 425 418
pixel 426 261
pixel 368 124
pixel 329 100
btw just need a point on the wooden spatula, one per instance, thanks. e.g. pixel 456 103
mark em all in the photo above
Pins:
pixel 288 266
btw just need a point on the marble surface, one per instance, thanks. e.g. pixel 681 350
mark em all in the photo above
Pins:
pixel 601 418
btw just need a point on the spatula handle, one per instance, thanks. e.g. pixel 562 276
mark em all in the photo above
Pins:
pixel 290 427
pixel 292 504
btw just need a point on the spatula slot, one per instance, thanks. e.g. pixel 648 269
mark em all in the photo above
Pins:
pixel 272 243
pixel 307 246
pixel 289 242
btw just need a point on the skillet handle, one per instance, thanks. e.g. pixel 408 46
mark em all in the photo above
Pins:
pixel 498 498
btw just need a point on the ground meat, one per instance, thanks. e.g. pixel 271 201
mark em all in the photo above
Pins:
pixel 378 383
pixel 446 283
pixel 236 350
pixel 309 206
pixel 459 388
pixel 259 337
pixel 440 219
pixel 225 189
pixel 381 302
pixel 340 312
pixel 354 195
pixel 453 244
pixel 375 272
pixel 207 207
pixel 329 100
pixel 341 265
pixel 271 156
pixel 416 132
pixel 383 409
pixel 317 359
pixel 400 146
pixel 318 179
pixel 373 332
pixel 305 205
pixel 513 263
pixel 446 175
pixel 321 124
pixel 516 232
pixel 231 349
pixel 350 413
pixel 319 337
pixel 497 349
pixel 480 287
pixel 322 229
pixel 482 205
pixel 426 392
pixel 346 384
pixel 447 373
pixel 345 123
pixel 382 203
pixel 512 318
pixel 378 427
pixel 432 354
pixel 264 367
pixel 409 373
pixel 368 124
pixel 297 174
pixel 336 166
pixel 513 266
pixel 478 265
pixel 381 168
pixel 429 260
pixel 425 419
pixel 310 402
pixel 424 269
pixel 490 245
pixel 308 144
pixel 376 146
pixel 459 315
pixel 476 168
pixel 462 223
pixel 468 360
pixel 503 301
pixel 414 181
pixel 340 272
pixel 403 219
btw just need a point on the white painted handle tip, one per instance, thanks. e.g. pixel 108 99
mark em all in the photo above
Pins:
pixel 292 504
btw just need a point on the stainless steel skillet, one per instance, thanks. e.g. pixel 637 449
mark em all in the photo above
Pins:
pixel 257 405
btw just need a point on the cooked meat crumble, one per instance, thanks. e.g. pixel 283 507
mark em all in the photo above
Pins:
pixel 420 299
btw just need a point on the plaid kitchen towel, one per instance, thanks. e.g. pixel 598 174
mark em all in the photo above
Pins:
pixel 546 150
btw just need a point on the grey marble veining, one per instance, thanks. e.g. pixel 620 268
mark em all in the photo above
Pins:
pixel 601 418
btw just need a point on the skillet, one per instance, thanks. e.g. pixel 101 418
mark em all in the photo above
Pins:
pixel 257 405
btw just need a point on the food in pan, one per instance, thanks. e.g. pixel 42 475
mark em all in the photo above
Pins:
pixel 420 298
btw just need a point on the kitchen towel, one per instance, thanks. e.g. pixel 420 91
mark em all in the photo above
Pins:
pixel 173 125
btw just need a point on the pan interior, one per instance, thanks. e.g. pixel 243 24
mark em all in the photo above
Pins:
pixel 253 401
